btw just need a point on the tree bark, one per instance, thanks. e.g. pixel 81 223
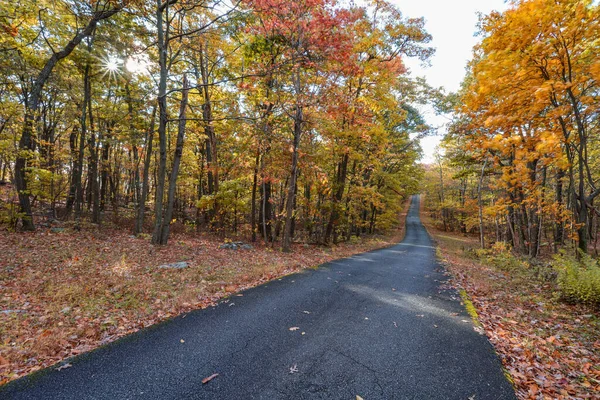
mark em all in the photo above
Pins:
pixel 338 193
pixel 162 40
pixel 480 198
pixel 209 130
pixel 289 209
pixel 164 237
pixel 559 224
pixel 139 221
pixel 93 168
pixel 253 200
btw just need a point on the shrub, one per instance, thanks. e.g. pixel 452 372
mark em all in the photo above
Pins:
pixel 501 257
pixel 578 279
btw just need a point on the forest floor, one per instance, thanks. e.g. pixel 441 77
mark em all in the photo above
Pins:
pixel 550 349
pixel 68 292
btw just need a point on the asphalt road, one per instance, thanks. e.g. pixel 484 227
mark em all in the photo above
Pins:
pixel 376 325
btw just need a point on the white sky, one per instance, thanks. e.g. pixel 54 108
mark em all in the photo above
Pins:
pixel 452 25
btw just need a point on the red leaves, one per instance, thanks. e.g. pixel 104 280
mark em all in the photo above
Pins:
pixel 314 25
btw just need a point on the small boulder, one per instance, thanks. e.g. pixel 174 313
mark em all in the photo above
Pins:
pixel 236 246
pixel 176 265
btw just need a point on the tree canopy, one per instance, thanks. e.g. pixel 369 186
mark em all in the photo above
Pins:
pixel 280 119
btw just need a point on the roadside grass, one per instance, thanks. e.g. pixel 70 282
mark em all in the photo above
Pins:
pixel 551 349
pixel 66 293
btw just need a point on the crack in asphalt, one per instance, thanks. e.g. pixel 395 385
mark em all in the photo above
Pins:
pixel 373 371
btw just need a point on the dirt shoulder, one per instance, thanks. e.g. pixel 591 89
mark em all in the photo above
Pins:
pixel 68 292
pixel 550 349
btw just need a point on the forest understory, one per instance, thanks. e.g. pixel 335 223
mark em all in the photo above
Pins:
pixel 549 348
pixel 68 291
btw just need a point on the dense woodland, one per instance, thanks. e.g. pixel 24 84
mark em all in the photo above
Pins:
pixel 521 160
pixel 284 120
pixel 520 164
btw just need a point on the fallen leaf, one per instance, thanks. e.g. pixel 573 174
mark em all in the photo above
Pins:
pixel 209 378
pixel 64 366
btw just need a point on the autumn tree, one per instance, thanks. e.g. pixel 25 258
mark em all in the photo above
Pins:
pixel 529 110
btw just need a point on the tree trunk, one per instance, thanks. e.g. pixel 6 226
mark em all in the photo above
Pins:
pixel 209 130
pixel 338 193
pixel 93 168
pixel 164 237
pixel 253 201
pixel 480 198
pixel 289 209
pixel 162 42
pixel 559 224
pixel 78 173
pixel 136 170
pixel 104 165
pixel 139 221
pixel 265 212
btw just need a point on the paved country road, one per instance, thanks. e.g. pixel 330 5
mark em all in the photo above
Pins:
pixel 375 325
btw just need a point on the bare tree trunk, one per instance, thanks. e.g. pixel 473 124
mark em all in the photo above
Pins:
pixel 72 187
pixel 480 198
pixel 338 193
pixel 162 42
pixel 139 221
pixel 209 130
pixel 200 191
pixel 559 224
pixel 266 209
pixel 78 173
pixel 253 201
pixel 93 168
pixel 289 209
pixel 164 238
pixel 136 170
pixel 104 165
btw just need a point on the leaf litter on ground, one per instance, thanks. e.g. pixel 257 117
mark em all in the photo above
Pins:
pixel 72 298
pixel 550 349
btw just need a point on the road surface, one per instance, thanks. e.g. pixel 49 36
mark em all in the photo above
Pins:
pixel 376 325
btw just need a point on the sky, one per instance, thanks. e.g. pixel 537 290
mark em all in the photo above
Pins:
pixel 452 25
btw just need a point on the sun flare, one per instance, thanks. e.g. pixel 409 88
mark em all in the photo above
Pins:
pixel 112 65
